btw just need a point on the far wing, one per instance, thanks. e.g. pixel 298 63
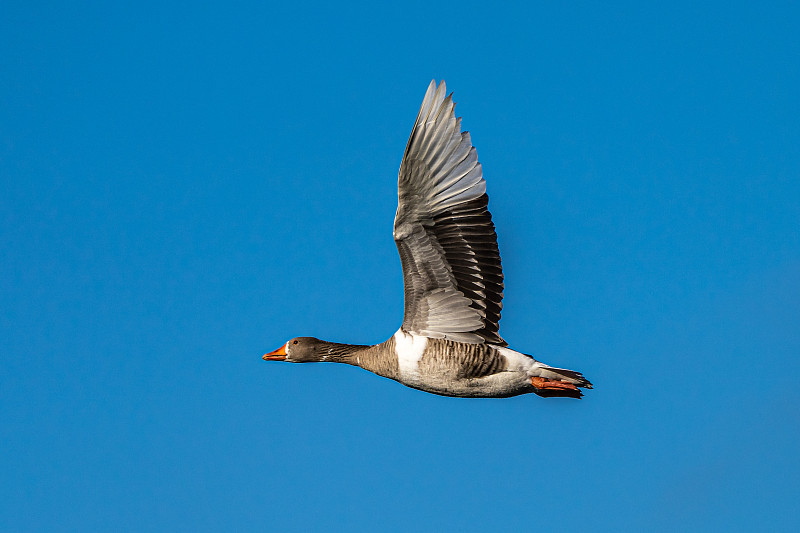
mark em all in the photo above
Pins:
pixel 444 232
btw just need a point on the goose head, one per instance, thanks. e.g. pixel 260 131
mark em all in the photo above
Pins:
pixel 297 350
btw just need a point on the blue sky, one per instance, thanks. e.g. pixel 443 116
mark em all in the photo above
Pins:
pixel 185 187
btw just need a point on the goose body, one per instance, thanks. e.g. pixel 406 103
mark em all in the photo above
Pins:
pixel 448 343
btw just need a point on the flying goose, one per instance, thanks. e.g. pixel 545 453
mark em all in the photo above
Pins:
pixel 448 343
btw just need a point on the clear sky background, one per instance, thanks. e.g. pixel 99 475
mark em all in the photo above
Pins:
pixel 185 187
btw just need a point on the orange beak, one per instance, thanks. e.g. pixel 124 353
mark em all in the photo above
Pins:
pixel 277 355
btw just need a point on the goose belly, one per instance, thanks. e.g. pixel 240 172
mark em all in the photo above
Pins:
pixel 451 368
pixel 501 385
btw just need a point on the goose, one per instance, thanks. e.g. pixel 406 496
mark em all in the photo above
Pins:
pixel 448 343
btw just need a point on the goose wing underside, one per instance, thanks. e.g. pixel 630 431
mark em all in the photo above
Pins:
pixel 444 232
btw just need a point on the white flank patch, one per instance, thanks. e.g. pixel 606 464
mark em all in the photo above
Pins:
pixel 409 349
pixel 518 361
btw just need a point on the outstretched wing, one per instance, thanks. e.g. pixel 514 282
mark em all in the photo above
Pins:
pixel 444 232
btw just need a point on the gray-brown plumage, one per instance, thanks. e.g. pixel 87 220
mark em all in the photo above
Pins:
pixel 448 343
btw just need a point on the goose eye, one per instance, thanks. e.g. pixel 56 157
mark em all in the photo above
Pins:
pixel 294 342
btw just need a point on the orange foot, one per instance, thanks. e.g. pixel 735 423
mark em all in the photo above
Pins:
pixel 544 383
